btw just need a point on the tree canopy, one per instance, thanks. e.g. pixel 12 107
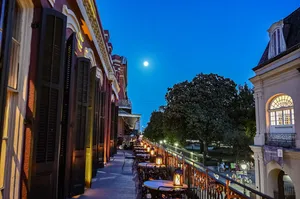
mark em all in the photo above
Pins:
pixel 210 108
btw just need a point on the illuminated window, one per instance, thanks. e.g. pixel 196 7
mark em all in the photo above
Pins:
pixel 282 111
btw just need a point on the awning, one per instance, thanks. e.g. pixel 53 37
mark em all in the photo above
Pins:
pixel 129 119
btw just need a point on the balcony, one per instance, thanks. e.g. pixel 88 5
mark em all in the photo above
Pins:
pixel 124 104
pixel 286 140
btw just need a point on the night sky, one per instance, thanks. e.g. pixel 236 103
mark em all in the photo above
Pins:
pixel 181 38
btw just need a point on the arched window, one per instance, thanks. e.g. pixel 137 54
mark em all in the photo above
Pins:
pixel 282 111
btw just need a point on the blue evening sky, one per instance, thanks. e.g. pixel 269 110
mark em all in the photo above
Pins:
pixel 181 38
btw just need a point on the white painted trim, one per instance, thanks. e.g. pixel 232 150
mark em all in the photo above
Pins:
pixel 286 60
pixel 17 103
pixel 99 74
pixel 276 26
pixel 89 53
pixel 74 25
pixel 113 98
pixel 88 23
pixel 52 2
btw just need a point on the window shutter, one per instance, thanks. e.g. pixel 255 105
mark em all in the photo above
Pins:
pixel 82 89
pixel 66 114
pixel 49 88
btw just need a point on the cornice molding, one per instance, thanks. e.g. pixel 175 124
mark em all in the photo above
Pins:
pixel 87 10
pixel 74 25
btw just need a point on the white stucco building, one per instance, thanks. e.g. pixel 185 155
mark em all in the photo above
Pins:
pixel 277 101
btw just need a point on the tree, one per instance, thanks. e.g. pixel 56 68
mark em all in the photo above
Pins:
pixel 154 129
pixel 243 119
pixel 200 108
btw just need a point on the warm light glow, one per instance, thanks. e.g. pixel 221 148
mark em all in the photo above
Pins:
pixel 177 178
pixel 86 30
pixel 146 64
pixel 152 151
pixel 176 144
pixel 145 146
pixel 148 149
pixel 244 166
pixel 160 142
pixel 142 143
pixel 158 160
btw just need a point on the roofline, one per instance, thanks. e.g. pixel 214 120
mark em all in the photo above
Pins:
pixel 291 49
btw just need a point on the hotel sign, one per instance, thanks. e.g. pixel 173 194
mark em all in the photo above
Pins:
pixel 272 153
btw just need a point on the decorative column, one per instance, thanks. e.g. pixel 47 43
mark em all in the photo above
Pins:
pixel 260 111
pixel 260 169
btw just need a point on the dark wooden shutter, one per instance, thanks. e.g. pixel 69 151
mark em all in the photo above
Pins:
pixel 90 153
pixel 116 128
pixel 78 159
pixel 100 153
pixel 112 128
pixel 66 116
pixel 49 88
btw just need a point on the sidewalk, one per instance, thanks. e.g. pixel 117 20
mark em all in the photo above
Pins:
pixel 111 182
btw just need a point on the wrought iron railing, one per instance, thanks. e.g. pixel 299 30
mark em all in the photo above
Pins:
pixel 203 182
pixel 124 103
pixel 286 140
pixel 192 155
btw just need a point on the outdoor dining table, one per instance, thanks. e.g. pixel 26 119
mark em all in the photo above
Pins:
pixel 149 165
pixel 141 151
pixel 164 186
pixel 142 155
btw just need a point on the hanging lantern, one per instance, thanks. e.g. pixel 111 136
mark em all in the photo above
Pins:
pixel 158 160
pixel 148 149
pixel 180 165
pixel 178 177
pixel 152 152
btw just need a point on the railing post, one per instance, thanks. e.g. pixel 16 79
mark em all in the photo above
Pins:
pixel 206 183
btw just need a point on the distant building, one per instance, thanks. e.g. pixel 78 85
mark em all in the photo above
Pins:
pixel 59 93
pixel 277 101
pixel 127 121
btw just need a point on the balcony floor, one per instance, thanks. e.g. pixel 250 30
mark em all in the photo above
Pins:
pixel 112 182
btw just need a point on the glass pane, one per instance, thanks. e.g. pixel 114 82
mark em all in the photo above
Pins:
pixel 292 115
pixel 272 118
pixel 287 117
pixel 278 41
pixel 282 101
pixel 279 118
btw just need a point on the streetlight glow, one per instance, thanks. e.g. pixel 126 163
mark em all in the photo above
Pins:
pixel 176 144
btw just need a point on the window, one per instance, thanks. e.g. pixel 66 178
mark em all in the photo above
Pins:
pixel 282 111
pixel 15 50
pixel 277 42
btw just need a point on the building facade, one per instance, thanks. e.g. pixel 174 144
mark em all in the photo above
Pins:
pixel 277 101
pixel 128 123
pixel 59 97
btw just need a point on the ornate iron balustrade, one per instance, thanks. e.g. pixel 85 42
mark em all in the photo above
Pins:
pixel 124 103
pixel 286 140
pixel 203 182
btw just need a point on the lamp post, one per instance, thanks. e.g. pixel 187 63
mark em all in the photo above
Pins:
pixel 244 168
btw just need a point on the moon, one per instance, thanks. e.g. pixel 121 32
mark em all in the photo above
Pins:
pixel 146 64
